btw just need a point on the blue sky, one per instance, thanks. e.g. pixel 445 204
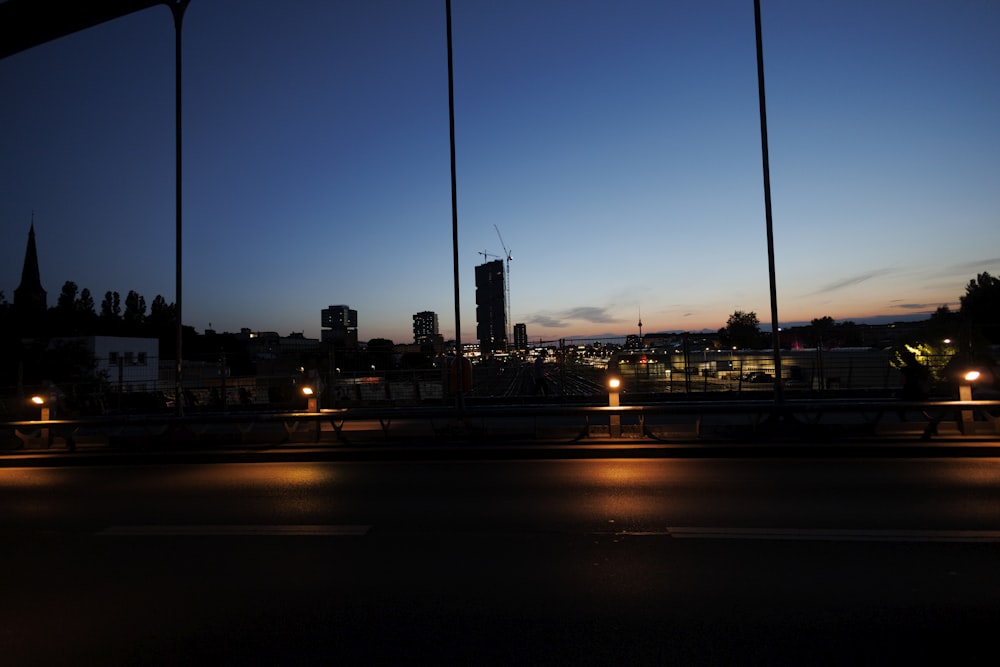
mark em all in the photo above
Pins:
pixel 615 145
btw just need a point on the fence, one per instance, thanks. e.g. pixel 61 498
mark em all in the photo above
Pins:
pixel 148 385
pixel 713 370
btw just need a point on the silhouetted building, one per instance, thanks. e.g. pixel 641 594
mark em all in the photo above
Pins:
pixel 340 326
pixel 425 327
pixel 520 337
pixel 30 301
pixel 491 319
pixel 663 340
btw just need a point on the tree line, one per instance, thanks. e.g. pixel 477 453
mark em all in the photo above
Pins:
pixel 75 314
pixel 39 344
pixel 974 327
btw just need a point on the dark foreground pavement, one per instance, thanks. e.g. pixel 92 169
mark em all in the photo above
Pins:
pixel 545 562
pixel 380 448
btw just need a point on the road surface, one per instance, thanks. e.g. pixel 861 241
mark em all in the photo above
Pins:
pixel 596 561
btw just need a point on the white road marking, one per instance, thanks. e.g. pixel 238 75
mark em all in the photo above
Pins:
pixel 236 529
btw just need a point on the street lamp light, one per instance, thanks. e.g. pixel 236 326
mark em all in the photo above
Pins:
pixel 311 403
pixel 965 394
pixel 41 402
pixel 614 387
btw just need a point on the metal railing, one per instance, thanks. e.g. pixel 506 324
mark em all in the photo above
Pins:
pixel 130 384
pixel 808 421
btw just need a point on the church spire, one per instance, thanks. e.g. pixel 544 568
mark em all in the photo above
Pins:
pixel 29 295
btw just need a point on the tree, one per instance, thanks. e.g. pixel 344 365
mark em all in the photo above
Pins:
pixel 74 312
pixel 160 307
pixel 110 320
pixel 930 349
pixel 111 306
pixel 135 310
pixel 821 328
pixel 943 324
pixel 62 318
pixel 742 330
pixel 84 314
pixel 161 316
pixel 85 304
pixel 66 303
pixel 981 306
pixel 850 334
pixel 380 353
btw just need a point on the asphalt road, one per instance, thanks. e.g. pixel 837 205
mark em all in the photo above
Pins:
pixel 597 561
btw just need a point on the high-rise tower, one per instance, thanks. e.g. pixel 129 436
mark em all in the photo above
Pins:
pixel 340 326
pixel 520 337
pixel 425 327
pixel 491 319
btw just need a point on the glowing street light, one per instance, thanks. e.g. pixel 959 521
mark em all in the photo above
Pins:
pixel 40 401
pixel 43 404
pixel 965 394
pixel 614 386
pixel 312 404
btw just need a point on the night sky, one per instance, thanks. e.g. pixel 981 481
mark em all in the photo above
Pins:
pixel 615 145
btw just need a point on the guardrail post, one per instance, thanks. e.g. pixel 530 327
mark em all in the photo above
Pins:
pixel 966 423
pixel 615 425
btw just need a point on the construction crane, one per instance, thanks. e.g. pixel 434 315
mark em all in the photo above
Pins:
pixel 506 283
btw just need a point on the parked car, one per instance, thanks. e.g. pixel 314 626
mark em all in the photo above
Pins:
pixel 757 377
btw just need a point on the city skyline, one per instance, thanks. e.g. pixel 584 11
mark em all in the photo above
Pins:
pixel 617 149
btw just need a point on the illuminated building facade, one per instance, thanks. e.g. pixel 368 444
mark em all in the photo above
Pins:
pixel 425 327
pixel 520 337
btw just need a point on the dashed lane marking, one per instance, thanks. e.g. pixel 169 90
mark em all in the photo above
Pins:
pixel 819 534
pixel 228 530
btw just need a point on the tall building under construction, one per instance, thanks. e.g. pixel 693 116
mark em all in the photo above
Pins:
pixel 491 318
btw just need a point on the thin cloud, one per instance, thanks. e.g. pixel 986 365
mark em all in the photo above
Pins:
pixel 978 264
pixel 560 320
pixel 961 273
pixel 548 322
pixel 589 314
pixel 852 281
pixel 918 306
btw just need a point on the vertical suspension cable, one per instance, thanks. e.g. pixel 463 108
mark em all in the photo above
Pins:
pixel 177 9
pixel 454 209
pixel 775 342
